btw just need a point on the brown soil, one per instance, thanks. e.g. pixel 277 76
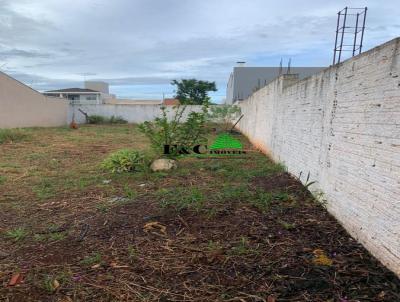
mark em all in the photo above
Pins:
pixel 231 251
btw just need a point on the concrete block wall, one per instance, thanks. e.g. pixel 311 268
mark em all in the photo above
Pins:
pixel 133 113
pixel 21 106
pixel 342 127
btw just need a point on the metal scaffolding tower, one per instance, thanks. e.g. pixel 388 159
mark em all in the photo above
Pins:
pixel 345 29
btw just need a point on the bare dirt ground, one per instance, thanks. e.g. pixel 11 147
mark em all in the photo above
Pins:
pixel 212 230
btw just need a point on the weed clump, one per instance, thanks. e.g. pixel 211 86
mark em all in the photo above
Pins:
pixel 125 160
pixel 17 234
pixel 181 199
pixel 94 258
pixel 11 135
pixel 99 119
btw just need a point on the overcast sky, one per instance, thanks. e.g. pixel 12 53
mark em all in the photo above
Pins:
pixel 139 46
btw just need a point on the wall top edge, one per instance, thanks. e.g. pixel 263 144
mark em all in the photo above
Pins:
pixel 331 68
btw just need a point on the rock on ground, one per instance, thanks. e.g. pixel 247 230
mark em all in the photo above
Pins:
pixel 163 164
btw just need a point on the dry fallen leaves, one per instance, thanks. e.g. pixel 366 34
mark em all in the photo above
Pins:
pixel 114 264
pixel 15 279
pixel 271 299
pixel 56 284
pixel 320 258
pixel 155 226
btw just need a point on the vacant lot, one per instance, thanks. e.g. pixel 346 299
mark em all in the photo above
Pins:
pixel 212 230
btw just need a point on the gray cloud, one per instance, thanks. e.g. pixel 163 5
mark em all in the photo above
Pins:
pixel 10 53
pixel 149 42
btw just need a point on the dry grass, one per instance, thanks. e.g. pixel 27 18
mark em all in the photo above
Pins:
pixel 212 230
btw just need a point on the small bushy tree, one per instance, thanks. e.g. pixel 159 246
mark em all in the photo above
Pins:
pixel 178 129
pixel 224 114
pixel 192 91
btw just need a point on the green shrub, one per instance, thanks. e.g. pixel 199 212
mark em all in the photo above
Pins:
pixel 224 114
pixel 99 119
pixel 176 130
pixel 117 120
pixel 96 119
pixel 125 160
pixel 11 135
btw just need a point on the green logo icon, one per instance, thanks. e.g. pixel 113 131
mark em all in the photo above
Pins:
pixel 225 141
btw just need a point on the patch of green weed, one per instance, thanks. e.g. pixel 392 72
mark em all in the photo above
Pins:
pixel 45 189
pixel 103 207
pixel 129 192
pixel 234 192
pixel 181 198
pixel 57 236
pixel 287 226
pixel 17 234
pixel 94 258
pixel 242 248
pixel 12 135
pixel 263 200
pixel 132 253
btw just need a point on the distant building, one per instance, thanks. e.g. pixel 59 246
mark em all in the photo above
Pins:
pixel 133 102
pixel 171 102
pixel 77 95
pixel 93 93
pixel 244 80
pixel 98 86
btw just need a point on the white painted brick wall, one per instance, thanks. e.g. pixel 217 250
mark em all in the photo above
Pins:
pixel 132 113
pixel 342 126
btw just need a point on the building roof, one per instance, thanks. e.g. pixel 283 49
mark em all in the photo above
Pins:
pixel 133 102
pixel 171 102
pixel 72 90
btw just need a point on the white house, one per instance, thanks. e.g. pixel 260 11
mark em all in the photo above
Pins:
pixel 93 93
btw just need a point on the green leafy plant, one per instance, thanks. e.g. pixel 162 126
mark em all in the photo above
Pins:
pixel 232 193
pixel 99 119
pixel 263 200
pixel 133 253
pixel 307 183
pixel 117 120
pixel 129 192
pixel 45 189
pixel 94 258
pixel 192 91
pixel 56 236
pixel 103 207
pixel 287 226
pixel 242 248
pixel 125 160
pixel 49 284
pixel 176 130
pixel 214 246
pixel 96 119
pixel 11 135
pixel 17 234
pixel 224 114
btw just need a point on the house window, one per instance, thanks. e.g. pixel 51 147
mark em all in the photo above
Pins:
pixel 92 97
pixel 73 97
